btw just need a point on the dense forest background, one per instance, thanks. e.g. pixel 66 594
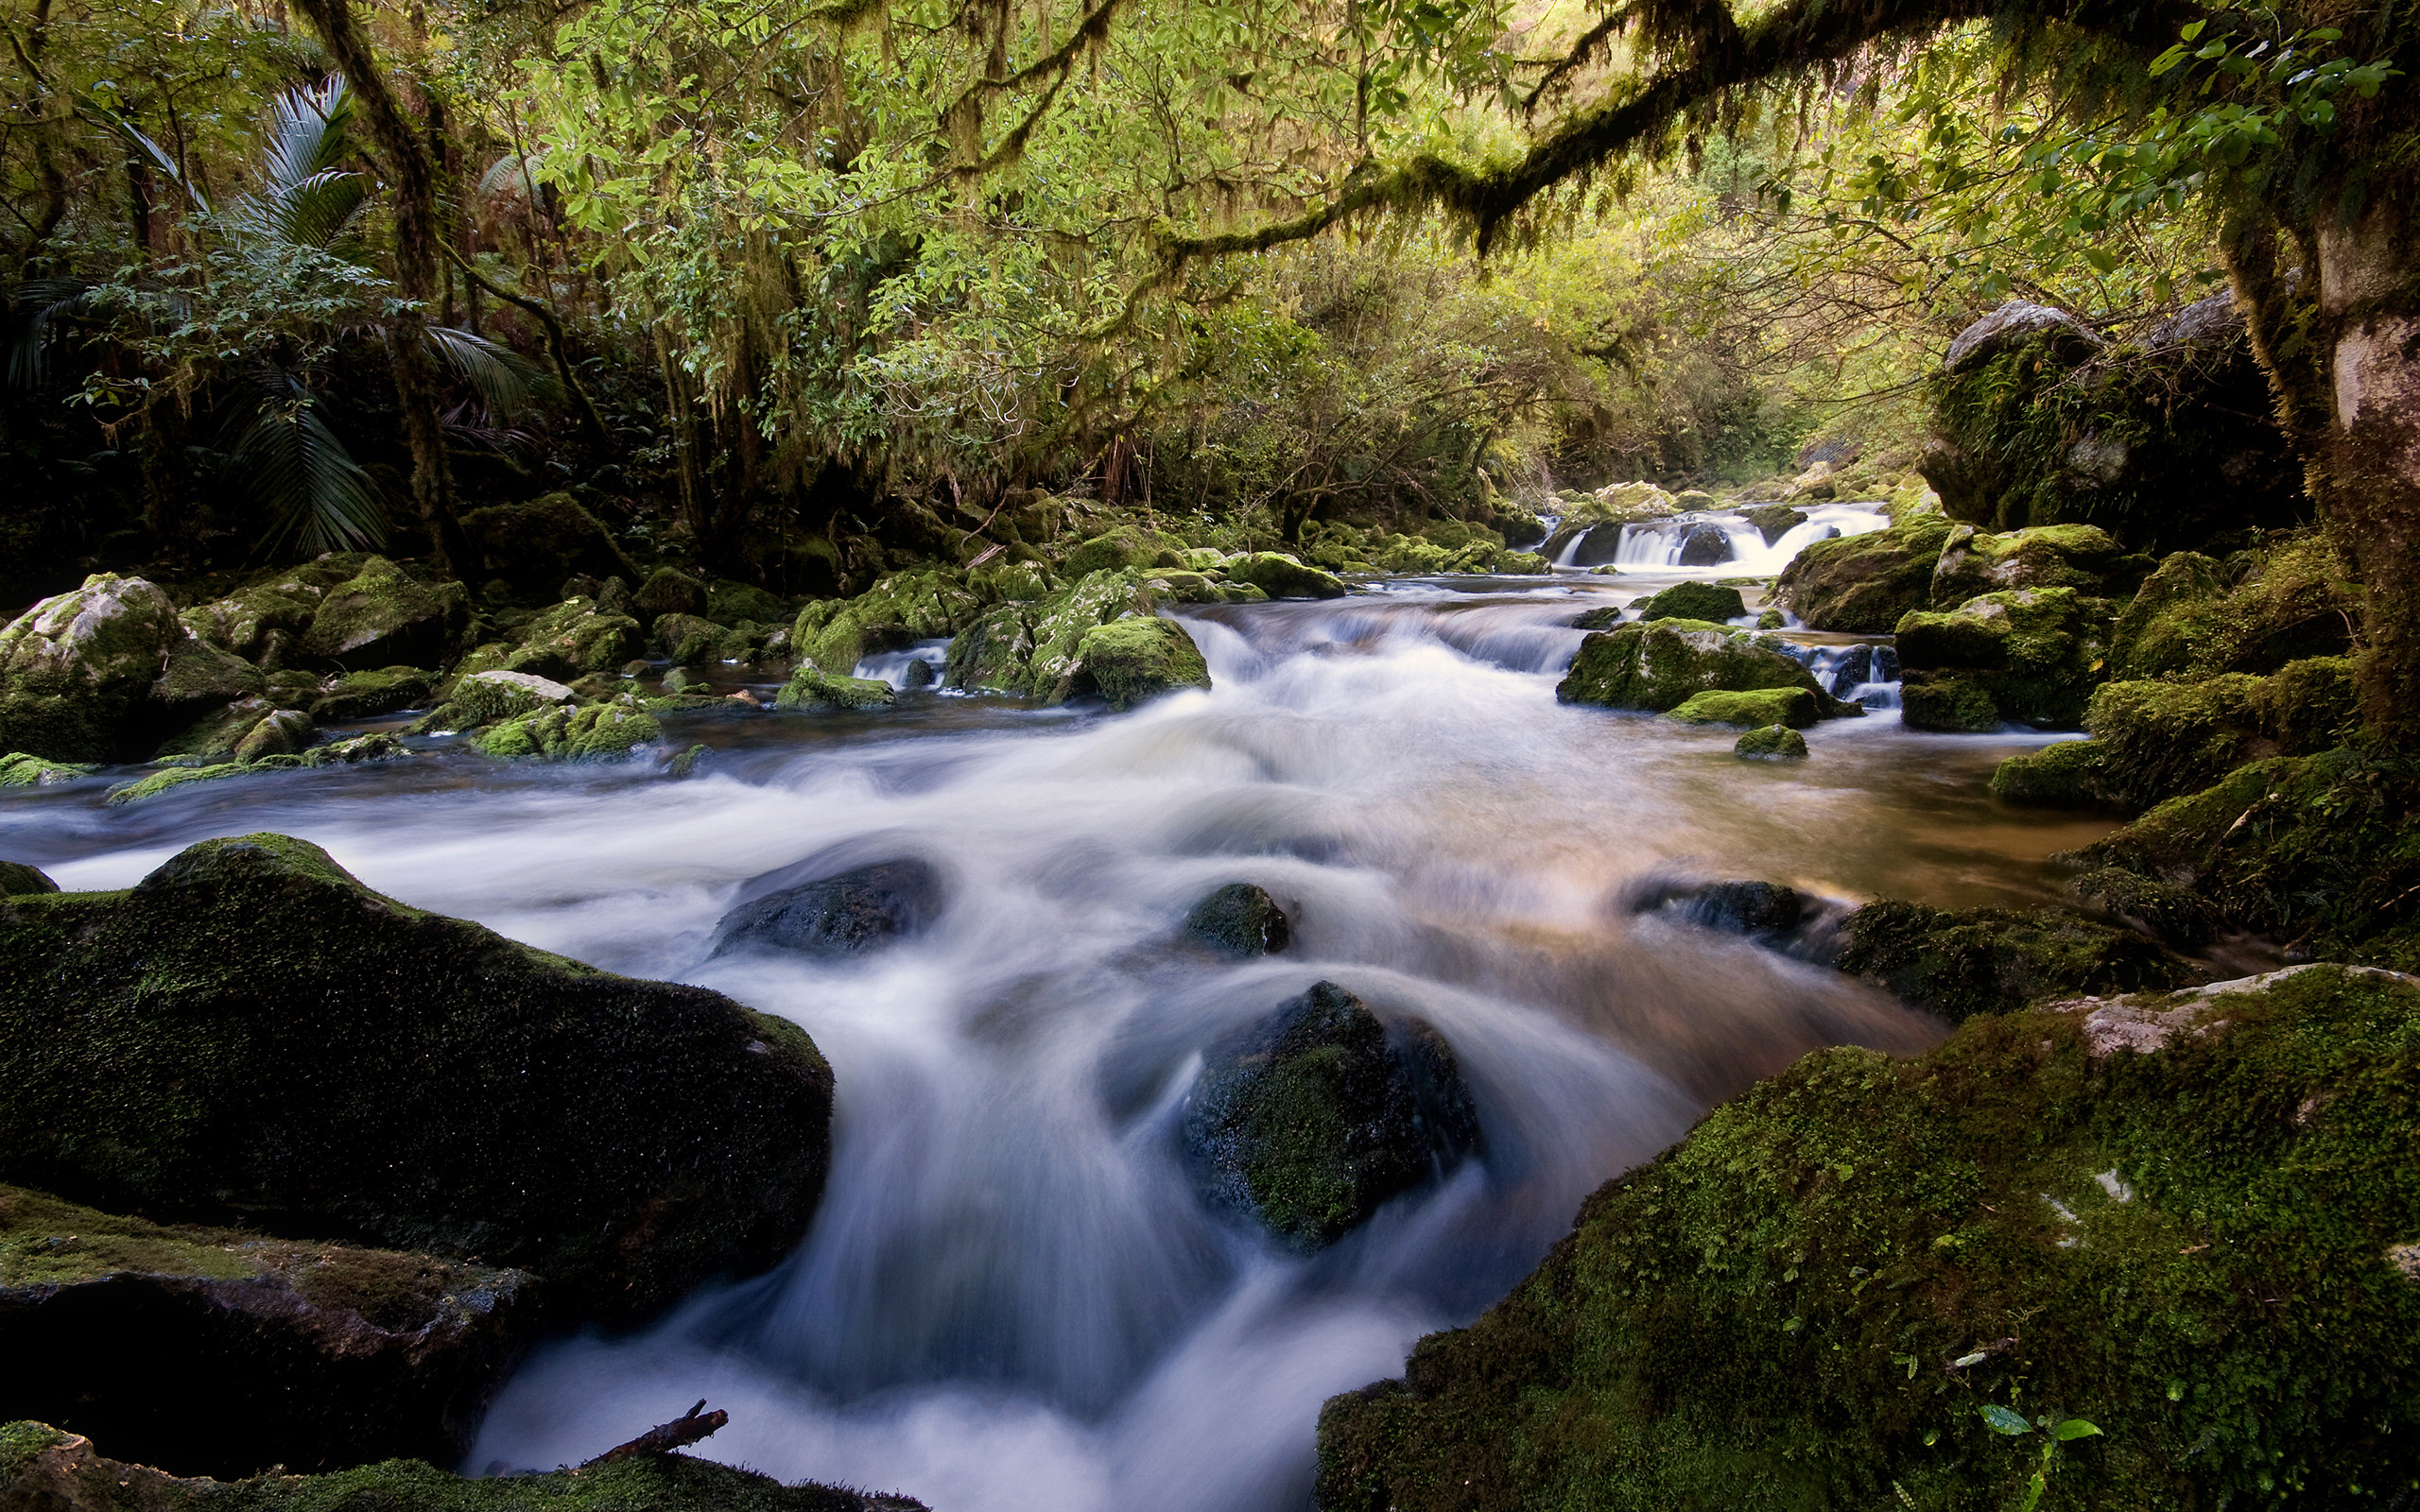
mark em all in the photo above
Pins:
pixel 803 289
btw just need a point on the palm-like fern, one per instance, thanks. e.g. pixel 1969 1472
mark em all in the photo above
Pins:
pixel 316 492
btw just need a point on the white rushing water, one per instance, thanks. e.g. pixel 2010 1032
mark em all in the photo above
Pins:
pixel 1663 545
pixel 1012 1298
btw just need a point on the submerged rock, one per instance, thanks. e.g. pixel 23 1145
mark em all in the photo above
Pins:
pixel 1803 1302
pixel 1134 660
pixel 1241 918
pixel 846 913
pixel 1662 664
pixel 1773 743
pixel 250 1030
pixel 44 1468
pixel 1961 962
pixel 1864 584
pixel 223 1351
pixel 1310 1119
pixel 1692 601
pixel 160 782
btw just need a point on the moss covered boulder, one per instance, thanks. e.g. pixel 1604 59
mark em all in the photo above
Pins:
pixel 102 673
pixel 45 1468
pixel 1308 1120
pixel 1961 962
pixel 16 876
pixel 1863 584
pixel 574 639
pixel 224 1351
pixel 586 732
pixel 21 770
pixel 383 617
pixel 1282 576
pixel 249 1030
pixel 1771 743
pixel 837 634
pixel 670 591
pixel 2289 599
pixel 261 622
pixel 1115 550
pixel 368 695
pixel 1134 660
pixel 1692 601
pixel 536 545
pixel 1662 664
pixel 1241 918
pixel 1794 708
pixel 2188 1220
pixel 2035 654
pixel 2084 558
pixel 811 689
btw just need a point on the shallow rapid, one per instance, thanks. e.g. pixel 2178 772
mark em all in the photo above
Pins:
pixel 1012 1297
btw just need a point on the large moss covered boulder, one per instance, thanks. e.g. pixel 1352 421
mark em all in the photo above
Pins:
pixel 1662 664
pixel 1281 576
pixel 223 1351
pixel 383 617
pixel 1137 659
pixel 566 732
pixel 2033 655
pixel 1311 1118
pixel 1961 962
pixel 536 545
pixel 102 673
pixel 369 693
pixel 574 639
pixel 2084 558
pixel 250 1031
pixel 837 634
pixel 2289 599
pixel 2186 1220
pixel 1692 601
pixel 1863 584
pixel 811 689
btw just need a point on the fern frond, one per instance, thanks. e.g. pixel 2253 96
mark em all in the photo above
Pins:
pixel 315 494
pixel 504 379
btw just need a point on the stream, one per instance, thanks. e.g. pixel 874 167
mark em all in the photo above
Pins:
pixel 1012 1298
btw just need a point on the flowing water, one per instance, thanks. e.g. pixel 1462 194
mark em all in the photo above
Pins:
pixel 1010 1298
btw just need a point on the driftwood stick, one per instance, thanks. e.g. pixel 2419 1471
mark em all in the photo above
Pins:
pixel 663 1439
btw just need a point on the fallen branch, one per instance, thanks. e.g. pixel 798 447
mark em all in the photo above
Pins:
pixel 663 1439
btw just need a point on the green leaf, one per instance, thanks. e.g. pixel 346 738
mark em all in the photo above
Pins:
pixel 2076 1428
pixel 2000 1420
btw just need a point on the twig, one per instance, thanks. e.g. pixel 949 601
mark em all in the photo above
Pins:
pixel 663 1439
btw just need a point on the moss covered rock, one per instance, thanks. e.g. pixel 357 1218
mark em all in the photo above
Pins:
pixel 1241 918
pixel 224 1351
pixel 2176 1218
pixel 574 639
pixel 1771 743
pixel 2064 776
pixel 78 673
pixel 41 1467
pixel 16 876
pixel 2036 653
pixel 1117 550
pixel 1134 660
pixel 249 1029
pixel 668 590
pixel 588 733
pixel 369 694
pixel 993 654
pixel 810 689
pixel 21 770
pixel 1796 708
pixel 2084 558
pixel 172 777
pixel 687 640
pixel 1282 576
pixel 1310 1119
pixel 1961 962
pixel 837 634
pixel 2171 615
pixel 1864 584
pixel 285 732
pixel 383 617
pixel 1772 520
pixel 216 735
pixel 2288 600
pixel 1662 664
pixel 1692 601
pixel 535 545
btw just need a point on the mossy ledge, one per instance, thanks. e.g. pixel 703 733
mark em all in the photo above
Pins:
pixel 43 1467
pixel 251 1034
pixel 2187 1218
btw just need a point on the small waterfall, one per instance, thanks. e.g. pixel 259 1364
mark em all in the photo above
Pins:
pixel 1729 543
pixel 893 667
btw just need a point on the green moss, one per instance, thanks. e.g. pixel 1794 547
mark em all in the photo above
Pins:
pixel 1117 550
pixel 368 695
pixel 2036 653
pixel 1282 576
pixel 688 640
pixel 731 602
pixel 2290 599
pixel 1773 743
pixel 17 877
pixel 1661 665
pixel 1772 520
pixel 216 735
pixel 573 639
pixel 378 747
pixel 1792 707
pixel 160 781
pixel 1864 584
pixel 1140 657
pixel 810 689
pixel 21 770
pixel 1960 963
pixel 590 732
pixel 1804 1303
pixel 382 617
pixel 2065 776
pixel 2171 616
pixel 285 732
pixel 1693 601
pixel 252 1029
pixel 76 672
pixel 993 654
pixel 2084 558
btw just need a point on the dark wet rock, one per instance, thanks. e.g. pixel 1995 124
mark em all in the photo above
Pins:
pixel 1961 962
pixel 861 910
pixel 1747 907
pixel 369 694
pixel 226 1353
pixel 534 545
pixel 2153 1174
pixel 46 1469
pixel 1773 743
pixel 16 877
pixel 285 732
pixel 1774 520
pixel 1863 584
pixel 918 674
pixel 1598 619
pixel 688 762
pixel 383 617
pixel 1241 918
pixel 250 1031
pixel 1310 1119
pixel 668 590
pixel 1692 601
pixel 216 735
pixel 1704 545
pixel 1861 665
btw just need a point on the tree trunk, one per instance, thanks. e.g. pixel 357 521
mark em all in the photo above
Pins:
pixel 2368 327
pixel 414 181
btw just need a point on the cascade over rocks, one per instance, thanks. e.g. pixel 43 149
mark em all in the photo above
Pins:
pixel 848 913
pixel 1310 1119
pixel 250 1030
pixel 1802 1303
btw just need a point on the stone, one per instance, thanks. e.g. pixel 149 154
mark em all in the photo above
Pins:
pixel 1794 708
pixel 729 602
pixel 1773 743
pixel 2010 323
pixel 76 672
pixel 1308 1120
pixel 534 545
pixel 1863 584
pixel 1283 577
pixel 16 877
pixel 216 735
pixel 357 696
pixel 1137 659
pixel 2084 558
pixel 250 622
pixel 687 640
pixel 1241 918
pixel 687 763
pixel 1662 666
pixel 573 640
pixel 1774 520
pixel 668 590
pixel 810 689
pixel 589 732
pixel 1692 601
pixel 285 732
pixel 19 769
pixel 1960 963
pixel 383 617
pixel 917 675
pixel 160 781
pixel 250 1030
pixel 2035 654
pixel 1745 908
pixel 848 913
pixel 1704 545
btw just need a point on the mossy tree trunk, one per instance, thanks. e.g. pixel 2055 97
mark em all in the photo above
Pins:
pixel 412 176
